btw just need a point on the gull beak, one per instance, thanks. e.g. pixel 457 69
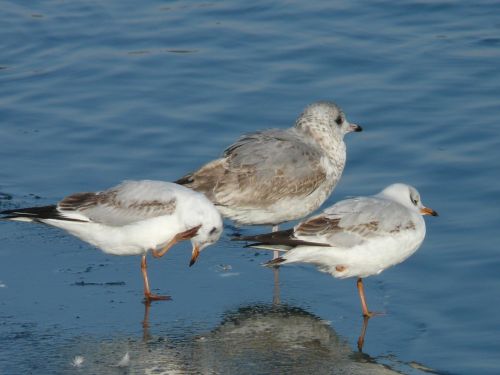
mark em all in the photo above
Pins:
pixel 428 211
pixel 195 255
pixel 355 128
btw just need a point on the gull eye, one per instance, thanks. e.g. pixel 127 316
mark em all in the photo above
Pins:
pixel 339 120
pixel 414 200
pixel 213 230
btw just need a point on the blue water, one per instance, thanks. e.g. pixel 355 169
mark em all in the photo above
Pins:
pixel 93 93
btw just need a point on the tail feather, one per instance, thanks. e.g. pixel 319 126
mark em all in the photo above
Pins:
pixel 262 246
pixel 34 214
pixel 273 238
pixel 283 238
pixel 185 180
pixel 209 179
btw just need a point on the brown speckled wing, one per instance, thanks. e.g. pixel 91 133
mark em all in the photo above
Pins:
pixel 353 221
pixel 260 169
pixel 318 226
pixel 109 207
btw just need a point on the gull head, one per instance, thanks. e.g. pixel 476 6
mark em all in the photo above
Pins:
pixel 325 118
pixel 208 234
pixel 408 196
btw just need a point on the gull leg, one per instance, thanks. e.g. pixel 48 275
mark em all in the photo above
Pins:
pixel 163 251
pixel 276 272
pixel 276 253
pixel 186 235
pixel 148 296
pixel 362 297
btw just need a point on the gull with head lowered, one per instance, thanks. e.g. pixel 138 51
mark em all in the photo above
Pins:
pixel 133 218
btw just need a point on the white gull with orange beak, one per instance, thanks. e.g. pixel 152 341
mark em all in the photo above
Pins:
pixel 356 237
pixel 133 218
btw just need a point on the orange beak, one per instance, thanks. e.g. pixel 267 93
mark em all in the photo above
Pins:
pixel 195 255
pixel 428 211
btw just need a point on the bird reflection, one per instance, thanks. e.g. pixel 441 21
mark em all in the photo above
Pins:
pixel 255 339
pixel 235 233
pixel 361 338
pixel 280 339
pixel 276 289
pixel 146 335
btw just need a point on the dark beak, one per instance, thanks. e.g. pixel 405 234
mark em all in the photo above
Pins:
pixel 194 256
pixel 355 128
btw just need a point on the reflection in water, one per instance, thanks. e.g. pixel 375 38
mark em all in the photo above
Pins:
pixel 278 339
pixel 146 335
pixel 276 289
pixel 361 338
pixel 259 339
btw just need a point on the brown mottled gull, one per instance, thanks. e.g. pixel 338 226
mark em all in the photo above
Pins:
pixel 273 176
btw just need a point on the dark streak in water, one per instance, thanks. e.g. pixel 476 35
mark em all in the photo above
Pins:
pixel 110 283
pixel 182 50
pixel 490 41
pixel 5 196
pixel 145 52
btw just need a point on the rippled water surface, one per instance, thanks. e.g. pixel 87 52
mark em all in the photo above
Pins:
pixel 93 93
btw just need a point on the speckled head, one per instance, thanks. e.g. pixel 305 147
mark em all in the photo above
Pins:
pixel 325 118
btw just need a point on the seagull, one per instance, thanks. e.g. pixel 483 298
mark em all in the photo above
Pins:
pixel 356 237
pixel 133 218
pixel 272 176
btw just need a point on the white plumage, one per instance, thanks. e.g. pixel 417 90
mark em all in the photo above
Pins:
pixel 133 218
pixel 356 237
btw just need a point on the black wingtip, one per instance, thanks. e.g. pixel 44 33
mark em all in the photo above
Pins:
pixel 253 244
pixel 42 212
pixel 36 214
pixel 185 180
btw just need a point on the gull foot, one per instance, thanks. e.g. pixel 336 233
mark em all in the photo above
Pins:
pixel 155 297
pixel 371 314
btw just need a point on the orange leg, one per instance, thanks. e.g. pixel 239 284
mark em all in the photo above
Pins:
pixel 361 291
pixel 186 235
pixel 163 251
pixel 190 233
pixel 147 292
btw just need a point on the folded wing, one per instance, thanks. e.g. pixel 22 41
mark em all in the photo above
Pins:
pixel 124 204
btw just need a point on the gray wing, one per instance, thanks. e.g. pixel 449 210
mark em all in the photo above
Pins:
pixel 353 221
pixel 261 167
pixel 126 203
